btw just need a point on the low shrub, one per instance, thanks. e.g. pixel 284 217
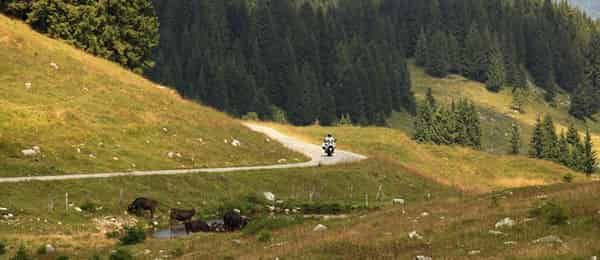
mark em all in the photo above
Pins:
pixel 552 213
pixel 264 236
pixel 270 223
pixel 89 207
pixel 133 235
pixel 21 254
pixel 2 248
pixel 120 254
pixel 62 257
pixel 251 116
pixel 568 178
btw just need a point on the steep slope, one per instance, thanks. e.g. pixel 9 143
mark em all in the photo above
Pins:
pixel 495 108
pixel 90 115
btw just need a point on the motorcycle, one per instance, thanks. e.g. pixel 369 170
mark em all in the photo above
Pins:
pixel 329 148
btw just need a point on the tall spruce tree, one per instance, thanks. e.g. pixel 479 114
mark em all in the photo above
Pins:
pixel 496 73
pixel 437 63
pixel 536 145
pixel 422 49
pixel 549 139
pixel 589 162
pixel 515 139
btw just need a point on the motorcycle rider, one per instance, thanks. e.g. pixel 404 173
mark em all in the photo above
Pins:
pixel 329 140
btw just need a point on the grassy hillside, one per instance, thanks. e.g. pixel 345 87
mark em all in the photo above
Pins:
pixel 495 108
pixel 90 115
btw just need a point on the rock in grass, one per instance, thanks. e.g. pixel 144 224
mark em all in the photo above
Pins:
pixel 548 239
pixel 495 232
pixel 319 228
pixel 506 222
pixel 422 257
pixel 269 196
pixel 414 235
pixel 50 249
pixel 474 252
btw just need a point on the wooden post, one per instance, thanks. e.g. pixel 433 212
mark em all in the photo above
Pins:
pixel 121 197
pixel 66 201
pixel 366 200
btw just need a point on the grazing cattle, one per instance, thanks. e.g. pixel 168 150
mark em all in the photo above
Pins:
pixel 140 204
pixel 196 226
pixel 234 221
pixel 182 215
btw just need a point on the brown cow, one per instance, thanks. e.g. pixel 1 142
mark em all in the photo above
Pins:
pixel 140 204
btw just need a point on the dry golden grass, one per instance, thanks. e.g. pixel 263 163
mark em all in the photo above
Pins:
pixel 462 168
pixel 90 107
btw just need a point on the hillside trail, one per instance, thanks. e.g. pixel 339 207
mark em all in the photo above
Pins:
pixel 314 152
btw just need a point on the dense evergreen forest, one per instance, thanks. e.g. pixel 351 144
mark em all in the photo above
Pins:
pixel 321 60
pixel 124 31
pixel 315 63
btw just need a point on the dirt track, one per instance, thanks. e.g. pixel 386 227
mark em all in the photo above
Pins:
pixel 314 152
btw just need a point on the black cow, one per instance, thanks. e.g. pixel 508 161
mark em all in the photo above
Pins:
pixel 234 221
pixel 140 204
pixel 182 215
pixel 196 226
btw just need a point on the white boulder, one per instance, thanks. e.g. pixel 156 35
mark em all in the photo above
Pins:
pixel 269 196
pixel 414 235
pixel 506 222
pixel 398 201
pixel 320 227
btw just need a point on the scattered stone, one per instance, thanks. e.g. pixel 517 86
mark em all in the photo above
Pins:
pixel 282 160
pixel 506 222
pixel 28 85
pixel 424 214
pixel 474 252
pixel 171 155
pixel 236 143
pixel 398 201
pixel 78 150
pixel 3 209
pixel 271 208
pixel 237 241
pixel 320 227
pixel 388 233
pixel 147 251
pixel 85 89
pixel 414 235
pixel 178 155
pixel 594 258
pixel 78 209
pixel 548 239
pixel 496 232
pixel 509 243
pixel 115 158
pixel 268 140
pixel 542 197
pixel 92 156
pixel 269 196
pixel 422 257
pixel 54 65
pixel 50 249
pixel 225 141
pixel 29 152
pixel 165 129
pixel 237 211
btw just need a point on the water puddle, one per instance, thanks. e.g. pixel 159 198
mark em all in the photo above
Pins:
pixel 179 230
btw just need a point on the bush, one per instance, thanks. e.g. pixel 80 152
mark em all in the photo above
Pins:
pixel 270 223
pixel 62 257
pixel 278 115
pixel 568 178
pixel 89 207
pixel 21 254
pixel 251 116
pixel 552 213
pixel 133 235
pixel 2 248
pixel 121 254
pixel 178 252
pixel 113 234
pixel 264 236
pixel 41 250
pixel 345 120
pixel 95 257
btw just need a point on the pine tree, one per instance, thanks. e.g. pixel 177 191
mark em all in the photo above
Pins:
pixel 519 98
pixel 437 62
pixel 572 134
pixel 422 50
pixel 564 153
pixel 496 73
pixel 515 139
pixel 549 139
pixel 430 99
pixel 536 146
pixel 589 156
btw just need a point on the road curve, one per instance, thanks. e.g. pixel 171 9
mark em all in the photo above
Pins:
pixel 312 151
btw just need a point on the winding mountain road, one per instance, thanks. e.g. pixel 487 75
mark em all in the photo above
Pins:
pixel 314 152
